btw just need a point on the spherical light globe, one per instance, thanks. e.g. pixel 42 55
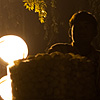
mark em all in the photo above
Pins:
pixel 12 48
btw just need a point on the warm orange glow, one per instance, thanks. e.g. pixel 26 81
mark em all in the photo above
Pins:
pixel 5 88
pixel 12 48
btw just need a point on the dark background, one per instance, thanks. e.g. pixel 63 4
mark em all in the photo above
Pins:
pixel 15 19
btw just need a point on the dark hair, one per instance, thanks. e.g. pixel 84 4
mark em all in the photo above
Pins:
pixel 82 16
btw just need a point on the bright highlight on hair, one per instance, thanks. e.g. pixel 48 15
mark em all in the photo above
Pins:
pixel 12 48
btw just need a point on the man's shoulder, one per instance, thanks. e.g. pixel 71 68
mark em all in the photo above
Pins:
pixel 56 45
pixel 60 47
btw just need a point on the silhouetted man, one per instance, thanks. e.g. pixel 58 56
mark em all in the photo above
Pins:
pixel 83 29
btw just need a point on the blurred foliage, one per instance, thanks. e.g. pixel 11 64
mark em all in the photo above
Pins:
pixel 95 9
pixel 95 6
pixel 51 26
pixel 39 6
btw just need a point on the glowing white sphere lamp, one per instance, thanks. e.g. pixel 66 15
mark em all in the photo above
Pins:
pixel 12 48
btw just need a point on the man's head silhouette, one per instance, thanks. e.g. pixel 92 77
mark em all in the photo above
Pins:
pixel 83 28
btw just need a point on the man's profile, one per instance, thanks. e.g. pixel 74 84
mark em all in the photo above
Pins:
pixel 83 29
